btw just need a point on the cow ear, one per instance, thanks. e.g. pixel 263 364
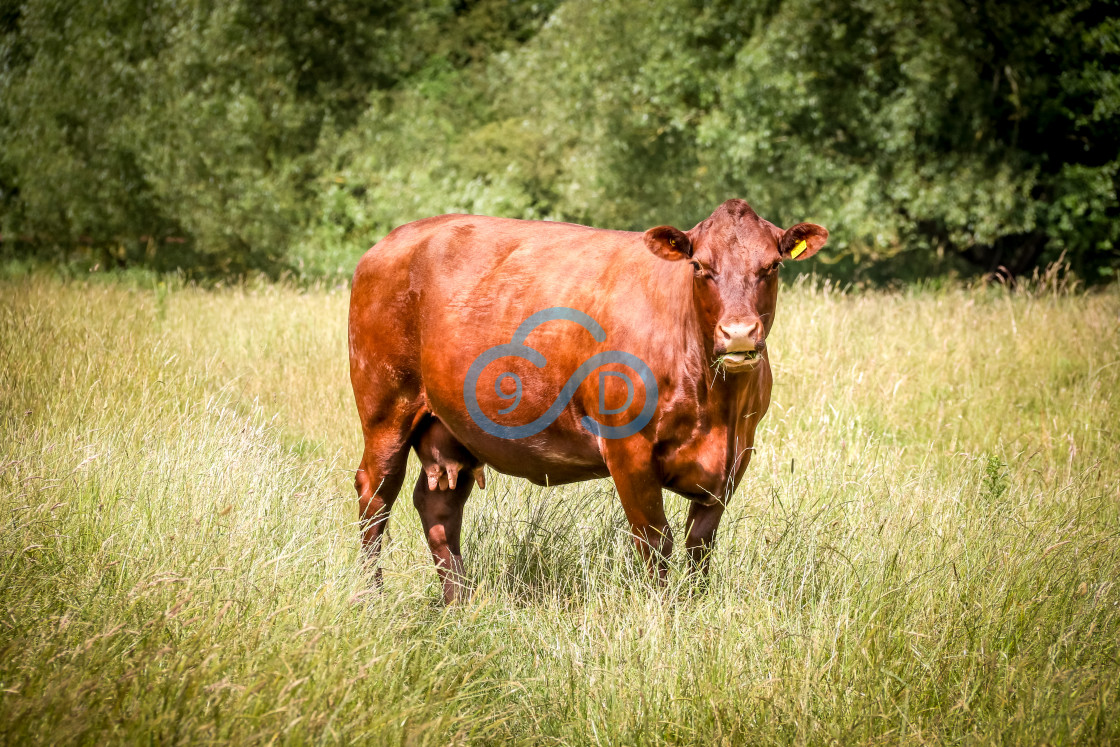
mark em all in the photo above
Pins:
pixel 802 241
pixel 668 243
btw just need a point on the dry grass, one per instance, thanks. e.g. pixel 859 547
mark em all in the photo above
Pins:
pixel 926 548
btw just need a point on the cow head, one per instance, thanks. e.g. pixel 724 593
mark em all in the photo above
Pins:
pixel 735 257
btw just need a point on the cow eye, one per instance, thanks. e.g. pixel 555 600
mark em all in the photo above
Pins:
pixel 698 268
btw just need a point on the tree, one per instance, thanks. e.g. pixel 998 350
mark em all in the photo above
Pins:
pixel 276 134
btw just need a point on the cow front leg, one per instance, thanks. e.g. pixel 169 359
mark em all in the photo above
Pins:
pixel 652 536
pixel 640 493
pixel 703 521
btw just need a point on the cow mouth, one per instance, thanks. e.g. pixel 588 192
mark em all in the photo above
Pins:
pixel 739 359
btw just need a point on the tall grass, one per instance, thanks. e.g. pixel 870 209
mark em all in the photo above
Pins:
pixel 926 547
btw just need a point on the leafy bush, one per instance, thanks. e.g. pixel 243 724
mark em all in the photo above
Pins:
pixel 271 135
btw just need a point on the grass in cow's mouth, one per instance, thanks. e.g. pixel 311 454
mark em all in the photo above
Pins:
pixel 721 361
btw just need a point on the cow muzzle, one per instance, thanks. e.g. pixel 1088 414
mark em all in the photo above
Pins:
pixel 739 346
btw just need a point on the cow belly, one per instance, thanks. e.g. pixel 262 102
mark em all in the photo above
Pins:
pixel 547 474
pixel 544 461
pixel 555 456
pixel 563 452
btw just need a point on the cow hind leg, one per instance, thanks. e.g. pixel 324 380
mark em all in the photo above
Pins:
pixel 442 489
pixel 441 515
pixel 380 476
pixel 377 481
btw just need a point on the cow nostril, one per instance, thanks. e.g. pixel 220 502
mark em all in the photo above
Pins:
pixel 736 337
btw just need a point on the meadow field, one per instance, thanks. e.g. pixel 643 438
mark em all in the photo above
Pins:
pixel 926 548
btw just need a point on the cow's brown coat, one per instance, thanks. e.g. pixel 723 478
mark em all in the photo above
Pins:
pixel 433 295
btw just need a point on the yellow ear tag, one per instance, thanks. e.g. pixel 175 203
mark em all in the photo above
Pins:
pixel 797 250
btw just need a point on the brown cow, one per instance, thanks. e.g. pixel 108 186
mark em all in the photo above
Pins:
pixel 438 315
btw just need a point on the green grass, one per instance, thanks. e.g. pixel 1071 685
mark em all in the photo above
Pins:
pixel 925 549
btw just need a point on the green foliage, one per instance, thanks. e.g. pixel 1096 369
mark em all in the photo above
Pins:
pixel 995 482
pixel 192 120
pixel 272 134
pixel 70 74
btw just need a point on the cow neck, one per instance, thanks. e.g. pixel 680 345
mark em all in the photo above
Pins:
pixel 679 335
pixel 740 386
